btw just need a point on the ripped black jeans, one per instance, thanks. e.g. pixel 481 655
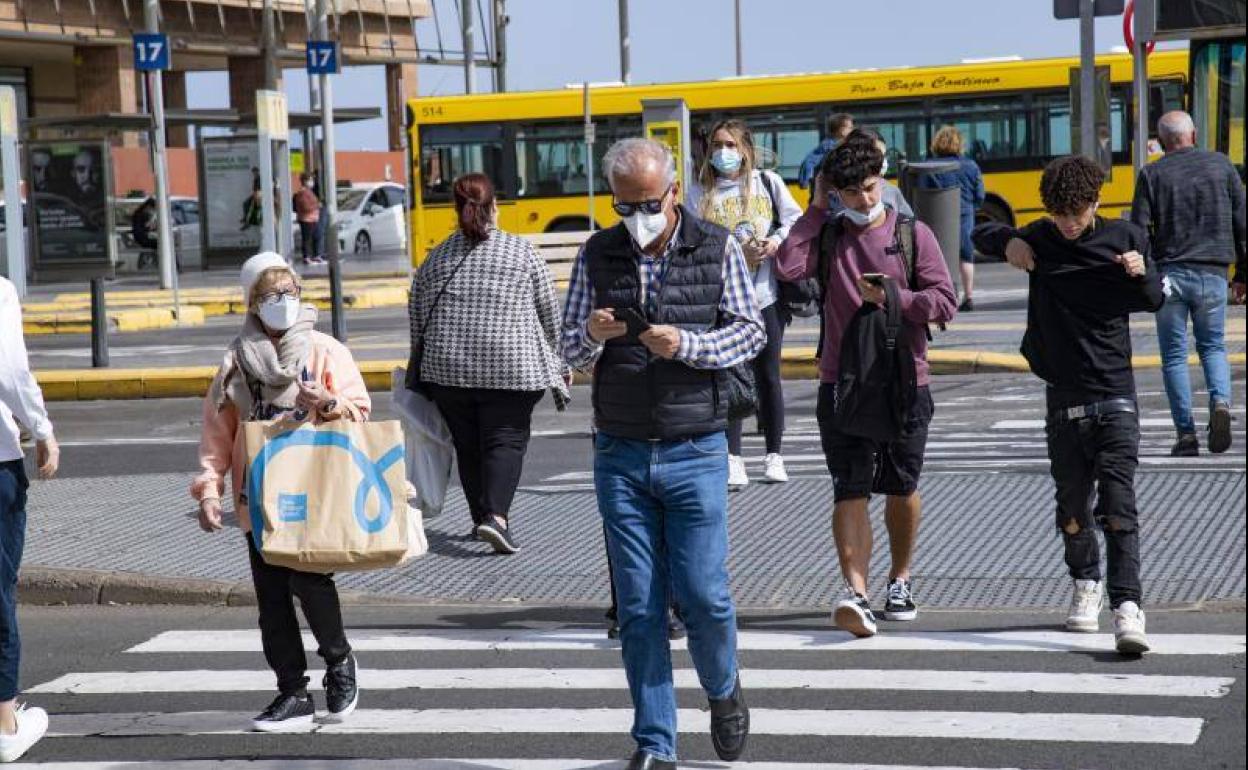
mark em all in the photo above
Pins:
pixel 1093 462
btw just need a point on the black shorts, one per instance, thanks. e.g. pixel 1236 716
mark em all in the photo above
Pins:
pixel 861 466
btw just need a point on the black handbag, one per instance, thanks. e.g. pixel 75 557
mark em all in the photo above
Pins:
pixel 411 378
pixel 742 395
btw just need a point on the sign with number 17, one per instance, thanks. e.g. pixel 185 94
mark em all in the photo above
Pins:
pixel 151 52
pixel 322 57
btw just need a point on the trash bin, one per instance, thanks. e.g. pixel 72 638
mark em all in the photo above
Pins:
pixel 938 208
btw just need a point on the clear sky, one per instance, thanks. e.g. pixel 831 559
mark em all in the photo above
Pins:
pixel 551 43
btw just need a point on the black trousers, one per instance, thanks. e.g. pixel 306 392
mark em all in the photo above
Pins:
pixel 310 239
pixel 770 390
pixel 280 636
pixel 1093 463
pixel 490 429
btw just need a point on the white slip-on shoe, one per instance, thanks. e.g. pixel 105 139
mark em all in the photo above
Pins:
pixel 1129 635
pixel 1085 607
pixel 32 724
pixel 737 477
pixel 773 469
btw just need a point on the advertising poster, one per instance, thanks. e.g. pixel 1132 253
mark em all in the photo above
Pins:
pixel 232 193
pixel 70 183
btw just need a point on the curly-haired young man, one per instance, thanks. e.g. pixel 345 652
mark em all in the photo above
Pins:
pixel 1087 275
pixel 863 256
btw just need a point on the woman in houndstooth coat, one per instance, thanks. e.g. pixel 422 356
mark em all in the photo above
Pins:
pixel 485 341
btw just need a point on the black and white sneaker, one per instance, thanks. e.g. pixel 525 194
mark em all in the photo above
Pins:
pixel 498 536
pixel 853 614
pixel 900 602
pixel 342 691
pixel 287 713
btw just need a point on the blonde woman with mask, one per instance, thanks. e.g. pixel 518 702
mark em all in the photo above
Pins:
pixel 758 209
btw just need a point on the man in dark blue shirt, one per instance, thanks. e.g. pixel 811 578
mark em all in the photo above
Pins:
pixel 839 126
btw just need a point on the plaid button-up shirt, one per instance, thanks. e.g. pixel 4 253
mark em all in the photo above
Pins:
pixel 738 340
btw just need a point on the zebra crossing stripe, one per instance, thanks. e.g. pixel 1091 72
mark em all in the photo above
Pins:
pixel 124 682
pixel 463 640
pixel 968 725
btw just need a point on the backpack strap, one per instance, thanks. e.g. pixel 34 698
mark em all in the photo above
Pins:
pixel 907 247
pixel 774 195
pixel 828 237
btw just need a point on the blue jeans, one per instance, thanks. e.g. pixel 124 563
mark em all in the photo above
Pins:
pixel 1202 296
pixel 13 486
pixel 665 507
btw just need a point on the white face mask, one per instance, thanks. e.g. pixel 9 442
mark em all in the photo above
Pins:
pixel 281 315
pixel 884 167
pixel 862 220
pixel 645 228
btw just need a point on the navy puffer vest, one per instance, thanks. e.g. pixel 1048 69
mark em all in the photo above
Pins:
pixel 638 395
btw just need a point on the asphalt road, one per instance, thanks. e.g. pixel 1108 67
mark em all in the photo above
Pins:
pixel 873 707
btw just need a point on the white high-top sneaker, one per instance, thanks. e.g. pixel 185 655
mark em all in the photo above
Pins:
pixel 737 477
pixel 1085 607
pixel 773 469
pixel 1129 635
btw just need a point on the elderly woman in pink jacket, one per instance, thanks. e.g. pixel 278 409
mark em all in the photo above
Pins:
pixel 280 367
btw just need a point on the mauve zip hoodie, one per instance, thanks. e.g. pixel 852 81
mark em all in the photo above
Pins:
pixel 869 250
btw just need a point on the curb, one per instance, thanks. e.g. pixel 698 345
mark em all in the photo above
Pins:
pixel 51 586
pixel 193 381
pixel 129 320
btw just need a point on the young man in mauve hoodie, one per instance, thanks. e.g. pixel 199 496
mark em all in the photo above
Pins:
pixel 868 243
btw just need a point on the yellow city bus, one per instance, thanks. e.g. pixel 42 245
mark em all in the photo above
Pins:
pixel 1015 116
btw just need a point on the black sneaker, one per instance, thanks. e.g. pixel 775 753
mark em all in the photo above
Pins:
pixel 900 603
pixel 967 306
pixel 1187 446
pixel 643 761
pixel 287 713
pixel 853 614
pixel 1220 428
pixel 730 725
pixel 342 692
pixel 498 536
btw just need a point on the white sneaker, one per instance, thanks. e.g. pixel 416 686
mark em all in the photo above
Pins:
pixel 32 723
pixel 737 477
pixel 1085 607
pixel 773 469
pixel 1129 635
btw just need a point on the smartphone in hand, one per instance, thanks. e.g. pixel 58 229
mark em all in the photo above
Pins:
pixel 637 323
pixel 875 279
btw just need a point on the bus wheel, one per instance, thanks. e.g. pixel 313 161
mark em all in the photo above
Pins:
pixel 569 225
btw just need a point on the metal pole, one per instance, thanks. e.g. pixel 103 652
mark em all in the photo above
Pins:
pixel 1087 79
pixel 500 45
pixel 626 67
pixel 164 236
pixel 470 65
pixel 1140 62
pixel 589 154
pixel 329 191
pixel 740 59
pixel 268 217
pixel 99 324
pixel 314 102
pixel 14 234
pixel 269 46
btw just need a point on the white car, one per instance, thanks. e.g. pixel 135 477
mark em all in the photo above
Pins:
pixel 186 248
pixel 370 218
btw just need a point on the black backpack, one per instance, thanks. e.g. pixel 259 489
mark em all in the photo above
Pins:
pixel 798 299
pixel 876 383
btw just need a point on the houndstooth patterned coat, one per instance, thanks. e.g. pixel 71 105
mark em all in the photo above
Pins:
pixel 497 324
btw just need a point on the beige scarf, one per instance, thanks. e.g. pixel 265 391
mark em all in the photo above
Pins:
pixel 273 366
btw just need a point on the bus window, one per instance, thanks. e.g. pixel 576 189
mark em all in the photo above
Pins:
pixel 448 152
pixel 903 128
pixel 1218 92
pixel 550 160
pixel 994 130
pixel 785 138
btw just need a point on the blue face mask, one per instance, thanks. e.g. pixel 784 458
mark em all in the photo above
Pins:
pixel 726 161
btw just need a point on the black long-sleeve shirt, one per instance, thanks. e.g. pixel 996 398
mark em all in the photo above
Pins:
pixel 1078 337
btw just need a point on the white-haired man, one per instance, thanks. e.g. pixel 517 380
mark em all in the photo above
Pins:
pixel 660 306
pixel 1191 202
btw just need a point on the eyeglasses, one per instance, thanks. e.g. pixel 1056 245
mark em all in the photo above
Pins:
pixel 274 297
pixel 651 207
